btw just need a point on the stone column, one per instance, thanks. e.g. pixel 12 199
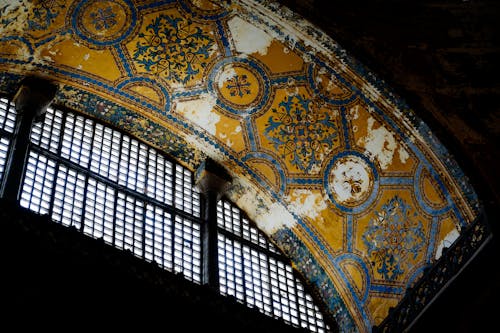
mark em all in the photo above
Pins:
pixel 212 180
pixel 31 102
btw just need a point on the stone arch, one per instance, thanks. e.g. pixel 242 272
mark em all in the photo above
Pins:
pixel 248 78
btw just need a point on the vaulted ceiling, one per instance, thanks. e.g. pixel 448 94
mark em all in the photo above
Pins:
pixel 336 168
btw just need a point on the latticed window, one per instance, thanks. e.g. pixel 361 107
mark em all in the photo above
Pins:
pixel 109 185
pixel 7 125
pixel 254 271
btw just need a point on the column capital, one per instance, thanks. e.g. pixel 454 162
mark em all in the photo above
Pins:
pixel 34 96
pixel 31 101
pixel 211 177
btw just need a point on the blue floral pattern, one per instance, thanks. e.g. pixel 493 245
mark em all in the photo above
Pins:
pixel 301 132
pixel 44 13
pixel 173 48
pixel 392 237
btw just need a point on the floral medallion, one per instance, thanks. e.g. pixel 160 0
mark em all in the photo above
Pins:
pixel 104 23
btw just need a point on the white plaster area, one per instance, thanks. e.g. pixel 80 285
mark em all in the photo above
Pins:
pixel 269 216
pixel 307 203
pixel 294 27
pixel 403 154
pixel 276 218
pixel 199 112
pixel 446 242
pixel 227 74
pixel 247 38
pixel 350 180
pixel 354 112
pixel 380 144
pixel 199 144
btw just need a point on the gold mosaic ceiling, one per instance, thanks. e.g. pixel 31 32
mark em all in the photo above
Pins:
pixel 336 169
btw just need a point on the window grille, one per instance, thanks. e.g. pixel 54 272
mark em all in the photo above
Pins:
pixel 7 124
pixel 253 271
pixel 108 185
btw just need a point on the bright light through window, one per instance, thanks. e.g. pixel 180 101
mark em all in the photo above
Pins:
pixel 109 185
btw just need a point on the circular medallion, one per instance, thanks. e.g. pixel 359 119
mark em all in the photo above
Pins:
pixel 241 85
pixel 104 22
pixel 351 181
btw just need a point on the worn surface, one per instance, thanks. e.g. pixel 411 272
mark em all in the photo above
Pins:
pixel 338 170
pixel 442 57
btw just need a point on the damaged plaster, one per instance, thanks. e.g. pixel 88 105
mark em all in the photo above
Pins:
pixel 200 112
pixel 248 38
pixel 380 144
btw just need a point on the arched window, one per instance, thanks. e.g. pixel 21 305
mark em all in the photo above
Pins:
pixel 109 185
pixel 255 272
pixel 7 125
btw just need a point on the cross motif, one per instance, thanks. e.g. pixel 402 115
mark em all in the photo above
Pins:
pixel 238 85
pixel 103 19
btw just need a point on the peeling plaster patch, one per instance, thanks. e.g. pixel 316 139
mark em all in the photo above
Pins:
pixel 247 38
pixel 354 112
pixel 86 57
pixel 224 136
pixel 331 83
pixel 199 111
pixel 227 74
pixel 276 218
pixel 350 180
pixel 446 242
pixel 306 203
pixel 197 143
pixel 294 28
pixel 403 154
pixel 269 216
pixel 380 144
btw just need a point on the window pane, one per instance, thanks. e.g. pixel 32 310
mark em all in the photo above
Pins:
pixel 7 116
pixel 38 182
pixel 7 124
pixel 109 185
pixel 251 270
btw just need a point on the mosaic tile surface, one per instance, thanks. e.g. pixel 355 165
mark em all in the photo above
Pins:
pixel 326 159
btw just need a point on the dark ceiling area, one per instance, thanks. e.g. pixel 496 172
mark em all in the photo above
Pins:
pixel 442 58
